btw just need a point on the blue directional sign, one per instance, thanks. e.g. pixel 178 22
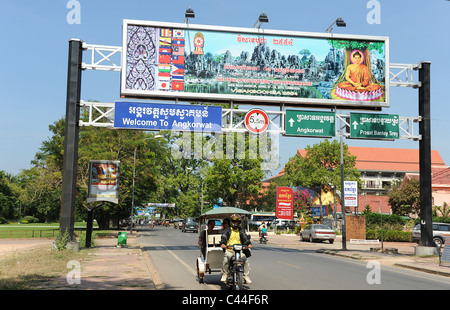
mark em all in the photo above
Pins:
pixel 177 117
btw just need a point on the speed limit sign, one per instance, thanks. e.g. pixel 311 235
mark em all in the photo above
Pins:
pixel 256 121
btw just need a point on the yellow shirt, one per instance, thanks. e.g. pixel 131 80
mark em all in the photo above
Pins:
pixel 234 237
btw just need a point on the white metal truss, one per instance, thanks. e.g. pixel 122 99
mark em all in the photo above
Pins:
pixel 401 75
pixel 108 58
pixel 103 57
pixel 406 126
pixel 102 115
pixel 99 114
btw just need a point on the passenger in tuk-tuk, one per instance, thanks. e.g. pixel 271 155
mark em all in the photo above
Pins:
pixel 225 224
pixel 235 235
pixel 202 237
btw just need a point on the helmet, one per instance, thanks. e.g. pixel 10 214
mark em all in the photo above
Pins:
pixel 235 220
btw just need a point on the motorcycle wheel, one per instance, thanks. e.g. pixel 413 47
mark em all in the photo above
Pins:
pixel 239 281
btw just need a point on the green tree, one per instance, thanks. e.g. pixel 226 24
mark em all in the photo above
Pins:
pixel 303 201
pixel 181 176
pixel 137 152
pixel 321 166
pixel 9 200
pixel 40 194
pixel 236 180
pixel 444 210
pixel 42 183
pixel 266 200
pixel 405 199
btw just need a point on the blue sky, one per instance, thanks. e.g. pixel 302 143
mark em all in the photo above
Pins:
pixel 35 35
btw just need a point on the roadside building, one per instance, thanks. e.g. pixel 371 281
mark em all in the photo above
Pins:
pixel 380 167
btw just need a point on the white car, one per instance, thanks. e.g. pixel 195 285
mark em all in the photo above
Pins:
pixel 440 232
pixel 313 232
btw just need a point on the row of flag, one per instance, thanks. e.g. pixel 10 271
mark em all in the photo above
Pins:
pixel 171 59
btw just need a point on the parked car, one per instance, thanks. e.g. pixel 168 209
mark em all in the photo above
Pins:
pixel 313 232
pixel 440 231
pixel 190 224
pixel 283 224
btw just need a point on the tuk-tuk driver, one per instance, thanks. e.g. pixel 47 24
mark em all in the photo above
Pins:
pixel 235 235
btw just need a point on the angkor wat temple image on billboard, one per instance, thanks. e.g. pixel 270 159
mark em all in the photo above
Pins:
pixel 227 63
pixel 266 71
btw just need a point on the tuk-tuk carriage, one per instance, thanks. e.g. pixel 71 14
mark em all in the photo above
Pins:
pixel 212 260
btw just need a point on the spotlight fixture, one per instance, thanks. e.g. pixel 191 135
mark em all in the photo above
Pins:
pixel 189 14
pixel 338 22
pixel 261 19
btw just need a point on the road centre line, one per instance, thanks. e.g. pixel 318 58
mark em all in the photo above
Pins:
pixel 290 265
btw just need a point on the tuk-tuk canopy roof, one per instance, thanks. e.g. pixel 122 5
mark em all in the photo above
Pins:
pixel 224 212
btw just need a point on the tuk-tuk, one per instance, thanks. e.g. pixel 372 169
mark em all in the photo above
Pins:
pixel 213 258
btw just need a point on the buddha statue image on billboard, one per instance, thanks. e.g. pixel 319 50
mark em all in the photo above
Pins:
pixel 357 81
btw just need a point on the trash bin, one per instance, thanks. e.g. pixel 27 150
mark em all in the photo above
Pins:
pixel 122 238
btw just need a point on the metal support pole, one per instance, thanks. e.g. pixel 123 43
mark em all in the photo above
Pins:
pixel 89 228
pixel 90 225
pixel 426 217
pixel 344 234
pixel 132 195
pixel 71 139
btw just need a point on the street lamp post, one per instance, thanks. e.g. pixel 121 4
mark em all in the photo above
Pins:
pixel 344 233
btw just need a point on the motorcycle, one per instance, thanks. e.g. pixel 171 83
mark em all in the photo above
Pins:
pixel 263 238
pixel 235 278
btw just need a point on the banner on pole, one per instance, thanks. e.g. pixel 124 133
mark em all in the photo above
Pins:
pixel 103 181
pixel 285 203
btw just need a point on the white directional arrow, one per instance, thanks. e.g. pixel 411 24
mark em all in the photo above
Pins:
pixel 291 121
pixel 355 123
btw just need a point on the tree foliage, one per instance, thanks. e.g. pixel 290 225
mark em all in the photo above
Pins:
pixel 303 201
pixel 159 176
pixel 355 44
pixel 321 166
pixel 236 180
pixel 9 197
pixel 405 199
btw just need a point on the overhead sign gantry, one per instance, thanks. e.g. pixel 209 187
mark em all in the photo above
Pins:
pixel 264 71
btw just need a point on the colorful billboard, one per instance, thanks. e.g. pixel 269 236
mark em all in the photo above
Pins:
pixel 103 181
pixel 244 65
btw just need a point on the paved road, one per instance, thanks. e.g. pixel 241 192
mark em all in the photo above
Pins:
pixel 174 253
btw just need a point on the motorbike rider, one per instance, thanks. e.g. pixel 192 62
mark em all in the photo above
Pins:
pixel 235 235
pixel 261 228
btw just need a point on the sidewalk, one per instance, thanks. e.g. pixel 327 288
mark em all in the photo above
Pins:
pixel 108 267
pixel 113 267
